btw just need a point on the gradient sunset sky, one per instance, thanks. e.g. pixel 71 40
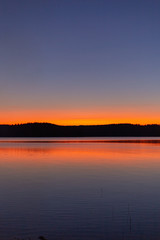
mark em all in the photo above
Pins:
pixel 80 61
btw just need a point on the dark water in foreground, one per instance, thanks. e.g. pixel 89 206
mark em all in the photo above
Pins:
pixel 101 190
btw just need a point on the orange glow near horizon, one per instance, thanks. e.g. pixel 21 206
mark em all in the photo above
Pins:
pixel 75 117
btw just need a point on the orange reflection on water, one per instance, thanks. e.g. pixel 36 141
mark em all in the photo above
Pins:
pixel 108 153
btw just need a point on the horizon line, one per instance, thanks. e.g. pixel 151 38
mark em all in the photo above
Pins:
pixel 76 125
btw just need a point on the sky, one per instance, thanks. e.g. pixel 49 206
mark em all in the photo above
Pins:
pixel 80 61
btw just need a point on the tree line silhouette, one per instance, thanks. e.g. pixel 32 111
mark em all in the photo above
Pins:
pixel 52 130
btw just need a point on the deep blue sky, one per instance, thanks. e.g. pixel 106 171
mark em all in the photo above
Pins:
pixel 81 57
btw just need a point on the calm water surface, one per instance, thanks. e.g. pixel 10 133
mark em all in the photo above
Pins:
pixel 80 189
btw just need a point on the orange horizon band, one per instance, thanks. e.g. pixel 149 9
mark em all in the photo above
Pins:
pixel 70 117
pixel 84 122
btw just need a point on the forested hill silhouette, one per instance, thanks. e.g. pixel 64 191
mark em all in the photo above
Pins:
pixel 52 130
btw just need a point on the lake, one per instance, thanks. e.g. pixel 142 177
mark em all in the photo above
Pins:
pixel 80 188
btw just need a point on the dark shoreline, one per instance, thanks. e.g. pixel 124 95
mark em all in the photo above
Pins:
pixel 52 130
